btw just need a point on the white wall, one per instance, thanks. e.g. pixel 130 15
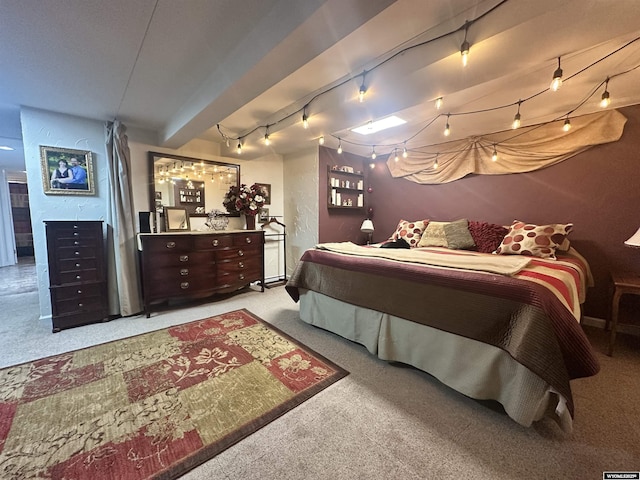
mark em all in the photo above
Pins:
pixel 40 127
pixel 301 203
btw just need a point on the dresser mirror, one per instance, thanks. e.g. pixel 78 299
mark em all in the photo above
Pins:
pixel 194 184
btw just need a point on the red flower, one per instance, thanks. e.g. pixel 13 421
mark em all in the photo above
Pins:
pixel 247 200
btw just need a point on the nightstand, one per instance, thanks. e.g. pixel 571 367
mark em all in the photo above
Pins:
pixel 623 283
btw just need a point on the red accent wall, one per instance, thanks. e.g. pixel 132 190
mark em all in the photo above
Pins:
pixel 597 190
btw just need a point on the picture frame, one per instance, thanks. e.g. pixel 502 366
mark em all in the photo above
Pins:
pixel 176 219
pixel 266 189
pixel 66 171
pixel 263 215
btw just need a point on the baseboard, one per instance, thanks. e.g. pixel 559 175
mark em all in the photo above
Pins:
pixel 622 327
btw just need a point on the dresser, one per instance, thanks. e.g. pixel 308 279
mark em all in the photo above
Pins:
pixel 196 265
pixel 77 273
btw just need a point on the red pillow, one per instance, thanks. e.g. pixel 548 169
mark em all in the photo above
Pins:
pixel 487 236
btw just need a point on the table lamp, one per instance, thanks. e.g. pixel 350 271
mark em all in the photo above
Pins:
pixel 634 241
pixel 367 227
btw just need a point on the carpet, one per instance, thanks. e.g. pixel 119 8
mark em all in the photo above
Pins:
pixel 155 405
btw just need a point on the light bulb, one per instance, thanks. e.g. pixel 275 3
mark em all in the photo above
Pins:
pixel 435 164
pixel 373 153
pixel 361 93
pixel 267 141
pixel 239 148
pixel 494 156
pixel 439 103
pixel 605 100
pixel 396 158
pixel 405 154
pixel 516 121
pixel 372 165
pixel 339 146
pixel 321 140
pixel 556 83
pixel 567 125
pixel 464 52
pixel 305 121
pixel 447 130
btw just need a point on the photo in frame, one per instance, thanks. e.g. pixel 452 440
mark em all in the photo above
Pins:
pixel 266 192
pixel 66 171
pixel 176 219
pixel 263 215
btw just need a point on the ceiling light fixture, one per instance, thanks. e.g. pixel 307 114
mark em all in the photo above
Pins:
pixel 556 83
pixel 405 153
pixel 439 102
pixel 435 163
pixel 267 140
pixel 395 155
pixel 464 48
pixel 605 101
pixel 373 153
pixel 239 147
pixel 516 119
pixel 321 140
pixel 305 119
pixel 447 128
pixel 382 124
pixel 363 89
pixel 494 155
pixel 339 146
pixel 567 125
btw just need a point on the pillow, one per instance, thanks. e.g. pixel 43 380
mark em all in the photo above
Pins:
pixel 534 240
pixel 487 236
pixel 410 231
pixel 458 236
pixel 434 235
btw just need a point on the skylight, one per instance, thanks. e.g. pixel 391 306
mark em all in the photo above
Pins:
pixel 382 124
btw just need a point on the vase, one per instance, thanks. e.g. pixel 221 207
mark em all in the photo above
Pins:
pixel 251 222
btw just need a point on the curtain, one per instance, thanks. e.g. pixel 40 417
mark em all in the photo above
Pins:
pixel 7 237
pixel 124 286
pixel 522 150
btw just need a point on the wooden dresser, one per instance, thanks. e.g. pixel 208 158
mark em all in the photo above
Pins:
pixel 180 266
pixel 77 273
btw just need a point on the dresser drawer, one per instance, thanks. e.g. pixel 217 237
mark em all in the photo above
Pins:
pixel 173 286
pixel 75 229
pixel 208 242
pixel 249 251
pixel 74 264
pixel 253 238
pixel 167 243
pixel 66 253
pixel 76 305
pixel 238 277
pixel 237 265
pixel 77 292
pixel 79 241
pixel 176 259
pixel 78 276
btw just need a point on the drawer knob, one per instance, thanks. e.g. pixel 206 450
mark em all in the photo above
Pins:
pixel 78 277
pixel 77 252
pixel 171 244
pixel 75 234
pixel 75 226
pixel 248 239
pixel 184 271
pixel 80 305
pixel 240 253
pixel 241 276
pixel 79 292
pixel 215 242
pixel 77 264
pixel 184 258
pixel 240 264
pixel 184 285
pixel 76 243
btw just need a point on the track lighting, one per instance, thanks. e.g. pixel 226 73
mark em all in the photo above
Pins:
pixel 567 125
pixel 516 119
pixel 439 102
pixel 464 48
pixel 605 101
pixel 321 140
pixel 494 155
pixel 339 146
pixel 556 83
pixel 447 129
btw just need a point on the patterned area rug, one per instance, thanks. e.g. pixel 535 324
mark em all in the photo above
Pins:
pixel 155 405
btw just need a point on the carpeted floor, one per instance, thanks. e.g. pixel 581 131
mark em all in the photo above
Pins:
pixel 382 421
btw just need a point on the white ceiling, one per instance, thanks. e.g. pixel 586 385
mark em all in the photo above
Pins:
pixel 181 67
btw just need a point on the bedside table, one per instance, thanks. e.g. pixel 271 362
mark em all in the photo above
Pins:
pixel 623 283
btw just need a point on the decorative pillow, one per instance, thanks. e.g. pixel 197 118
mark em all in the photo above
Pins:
pixel 434 235
pixel 410 231
pixel 458 236
pixel 487 236
pixel 534 240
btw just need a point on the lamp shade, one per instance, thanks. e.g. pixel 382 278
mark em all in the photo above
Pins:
pixel 367 226
pixel 634 241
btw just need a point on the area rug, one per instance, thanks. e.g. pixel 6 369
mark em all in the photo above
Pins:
pixel 155 405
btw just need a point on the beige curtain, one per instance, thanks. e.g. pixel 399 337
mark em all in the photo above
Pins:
pixel 522 150
pixel 124 286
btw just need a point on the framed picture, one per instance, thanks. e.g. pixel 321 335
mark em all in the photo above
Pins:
pixel 176 219
pixel 66 171
pixel 266 192
pixel 264 215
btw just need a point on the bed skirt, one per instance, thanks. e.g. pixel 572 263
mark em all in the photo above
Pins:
pixel 473 368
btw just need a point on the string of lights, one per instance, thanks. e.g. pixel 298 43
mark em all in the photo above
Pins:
pixel 556 83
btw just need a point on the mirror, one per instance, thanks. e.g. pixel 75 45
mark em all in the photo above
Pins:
pixel 196 185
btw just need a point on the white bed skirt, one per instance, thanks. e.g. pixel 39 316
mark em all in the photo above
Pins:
pixel 473 368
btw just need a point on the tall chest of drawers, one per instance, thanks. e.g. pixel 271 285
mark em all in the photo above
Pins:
pixel 77 273
pixel 180 266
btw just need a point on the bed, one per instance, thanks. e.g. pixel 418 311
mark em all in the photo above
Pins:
pixel 493 327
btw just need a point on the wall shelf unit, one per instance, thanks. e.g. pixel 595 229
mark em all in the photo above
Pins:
pixel 345 189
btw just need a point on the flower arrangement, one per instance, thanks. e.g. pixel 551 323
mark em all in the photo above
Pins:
pixel 247 200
